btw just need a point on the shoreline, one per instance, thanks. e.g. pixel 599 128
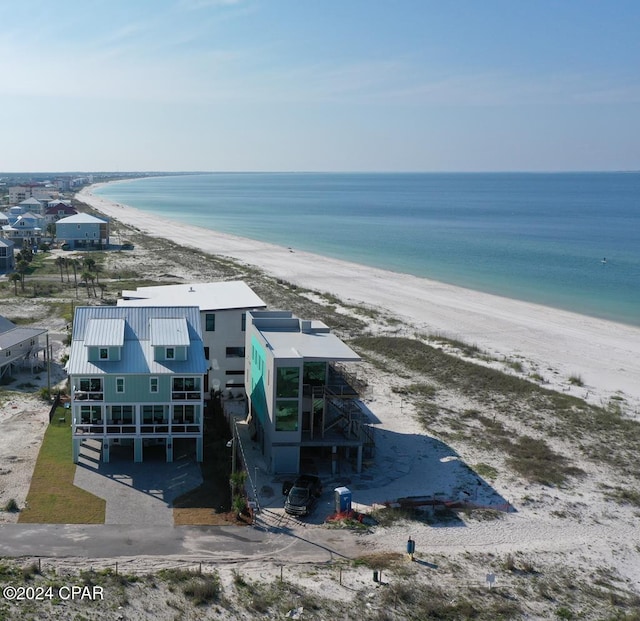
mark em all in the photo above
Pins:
pixel 554 343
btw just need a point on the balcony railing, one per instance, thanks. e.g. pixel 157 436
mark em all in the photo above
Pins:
pixel 83 395
pixel 186 395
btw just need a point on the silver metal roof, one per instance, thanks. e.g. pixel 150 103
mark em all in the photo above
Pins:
pixel 169 331
pixel 104 333
pixel 137 356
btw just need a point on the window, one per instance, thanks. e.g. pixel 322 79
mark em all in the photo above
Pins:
pixel 120 384
pixel 287 382
pixel 122 413
pixel 210 322
pixel 243 322
pixel 234 373
pixel 206 353
pixel 152 414
pixel 170 353
pixel 286 415
pixel 153 384
pixel 8 353
pixel 104 353
pixel 91 414
pixel 235 352
pixel 181 384
pixel 184 414
pixel 90 384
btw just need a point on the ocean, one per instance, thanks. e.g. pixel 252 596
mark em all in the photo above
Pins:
pixel 566 240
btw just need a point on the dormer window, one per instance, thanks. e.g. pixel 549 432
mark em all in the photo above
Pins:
pixel 104 353
pixel 170 353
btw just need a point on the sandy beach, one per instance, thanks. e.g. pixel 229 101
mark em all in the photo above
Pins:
pixel 552 343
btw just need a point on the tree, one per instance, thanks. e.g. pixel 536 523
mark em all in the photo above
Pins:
pixel 22 268
pixel 85 278
pixel 60 261
pixel 15 278
pixel 66 266
pixel 74 265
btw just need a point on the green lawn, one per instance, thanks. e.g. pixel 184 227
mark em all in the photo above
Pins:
pixel 53 498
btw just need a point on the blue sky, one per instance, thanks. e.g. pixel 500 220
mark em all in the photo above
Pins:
pixel 333 85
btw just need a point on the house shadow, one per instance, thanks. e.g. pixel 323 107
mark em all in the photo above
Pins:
pixel 415 476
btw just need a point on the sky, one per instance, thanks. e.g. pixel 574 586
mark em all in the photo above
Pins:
pixel 324 85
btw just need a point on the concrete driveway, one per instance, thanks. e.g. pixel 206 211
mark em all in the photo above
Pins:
pixel 136 493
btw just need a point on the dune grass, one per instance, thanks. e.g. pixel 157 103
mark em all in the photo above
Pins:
pixel 53 498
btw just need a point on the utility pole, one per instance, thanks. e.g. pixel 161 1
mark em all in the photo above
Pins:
pixel 48 355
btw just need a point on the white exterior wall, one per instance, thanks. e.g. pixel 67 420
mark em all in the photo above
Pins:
pixel 228 333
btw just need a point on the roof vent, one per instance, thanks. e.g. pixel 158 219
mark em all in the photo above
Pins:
pixel 192 290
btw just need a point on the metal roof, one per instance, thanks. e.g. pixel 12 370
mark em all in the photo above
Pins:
pixel 169 331
pixel 137 355
pixel 208 296
pixel 104 333
pixel 14 337
pixel 82 218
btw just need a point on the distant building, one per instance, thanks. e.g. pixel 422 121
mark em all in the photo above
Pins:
pixel 137 379
pixel 83 231
pixel 32 205
pixel 223 309
pixel 7 261
pixel 20 347
pixel 18 193
pixel 24 230
pixel 56 210
pixel 302 405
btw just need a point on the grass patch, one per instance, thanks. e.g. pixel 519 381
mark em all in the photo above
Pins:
pixel 486 471
pixel 53 498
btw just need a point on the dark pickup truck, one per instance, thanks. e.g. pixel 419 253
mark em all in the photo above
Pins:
pixel 302 494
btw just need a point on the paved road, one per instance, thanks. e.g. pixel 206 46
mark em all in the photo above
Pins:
pixel 206 543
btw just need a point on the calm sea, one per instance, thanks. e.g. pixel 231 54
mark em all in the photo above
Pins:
pixel 537 237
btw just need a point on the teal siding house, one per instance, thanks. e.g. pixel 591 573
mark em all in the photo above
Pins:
pixel 137 379
pixel 304 406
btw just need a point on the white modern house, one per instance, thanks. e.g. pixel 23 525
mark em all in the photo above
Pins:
pixel 223 309
pixel 83 231
pixel 137 379
pixel 20 347
pixel 302 404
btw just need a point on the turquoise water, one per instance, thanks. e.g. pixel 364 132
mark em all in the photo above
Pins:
pixel 535 237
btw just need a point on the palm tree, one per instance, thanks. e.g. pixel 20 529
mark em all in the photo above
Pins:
pixel 14 277
pixel 89 264
pixel 85 278
pixel 74 265
pixel 97 268
pixel 66 265
pixel 22 268
pixel 60 261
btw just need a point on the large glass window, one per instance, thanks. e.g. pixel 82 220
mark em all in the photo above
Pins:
pixel 184 414
pixel 90 413
pixel 91 384
pixel 122 413
pixel 287 382
pixel 186 384
pixel 235 352
pixel 314 373
pixel 152 414
pixel 286 415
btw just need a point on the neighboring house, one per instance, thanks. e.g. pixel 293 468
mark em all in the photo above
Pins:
pixel 223 308
pixel 4 219
pixel 25 230
pixel 20 347
pixel 83 231
pixel 31 205
pixel 57 210
pixel 137 378
pixel 7 261
pixel 302 406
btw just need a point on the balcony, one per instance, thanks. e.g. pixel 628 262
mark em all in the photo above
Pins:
pixel 89 428
pixel 83 395
pixel 186 395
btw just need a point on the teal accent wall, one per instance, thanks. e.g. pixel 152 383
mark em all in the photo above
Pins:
pixel 258 379
pixel 94 354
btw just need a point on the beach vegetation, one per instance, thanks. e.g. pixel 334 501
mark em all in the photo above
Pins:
pixel 576 380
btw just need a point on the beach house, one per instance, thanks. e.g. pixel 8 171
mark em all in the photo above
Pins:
pixel 137 380
pixel 56 210
pixel 303 405
pixel 7 260
pixel 24 229
pixel 20 347
pixel 223 309
pixel 83 231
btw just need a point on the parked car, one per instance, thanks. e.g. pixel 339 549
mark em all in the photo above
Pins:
pixel 302 494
